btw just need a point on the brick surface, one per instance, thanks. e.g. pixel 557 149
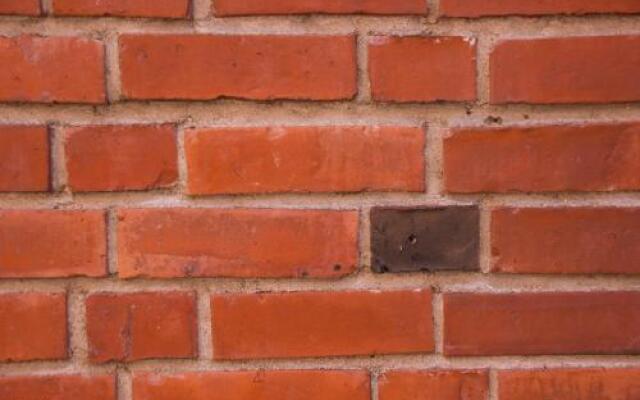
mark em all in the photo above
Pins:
pixel 553 158
pixel 478 324
pixel 254 385
pixel 434 384
pixel 123 8
pixel 24 158
pixel 303 159
pixel 138 326
pixel 33 326
pixel 479 8
pixel 51 243
pixel 20 7
pixel 584 70
pixel 284 7
pixel 317 324
pixel 236 243
pixel 125 157
pixel 425 239
pixel 569 384
pixel 255 67
pixel 422 69
pixel 51 70
pixel 58 387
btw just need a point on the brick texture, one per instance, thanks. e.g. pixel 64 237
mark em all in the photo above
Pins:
pixel 123 8
pixel 24 159
pixel 58 387
pixel 284 7
pixel 138 326
pixel 479 8
pixel 438 384
pixel 290 159
pixel 20 7
pixel 33 326
pixel 316 324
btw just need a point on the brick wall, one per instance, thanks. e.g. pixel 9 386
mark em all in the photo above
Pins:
pixel 316 199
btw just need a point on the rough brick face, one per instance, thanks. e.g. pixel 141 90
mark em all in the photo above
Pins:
pixel 58 387
pixel 302 159
pixel 317 324
pixel 24 159
pixel 569 384
pixel 425 239
pixel 236 243
pixel 479 8
pixel 256 67
pixel 51 70
pixel 422 69
pixel 255 385
pixel 50 243
pixel 138 326
pixel 127 157
pixel 541 323
pixel 543 158
pixel 435 384
pixel 283 7
pixel 33 326
pixel 558 240
pixel 20 7
pixel 123 8
pixel 583 70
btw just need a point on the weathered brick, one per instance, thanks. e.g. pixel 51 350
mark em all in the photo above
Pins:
pixel 126 157
pixel 24 158
pixel 58 387
pixel 138 326
pixel 51 70
pixel 168 243
pixel 480 8
pixel 20 7
pixel 598 69
pixel 305 159
pixel 256 67
pixel 33 326
pixel 52 243
pixel 123 8
pixel 284 7
pixel 569 384
pixel 425 239
pixel 599 157
pixel 254 385
pixel 477 324
pixel 422 69
pixel 433 384
pixel 317 324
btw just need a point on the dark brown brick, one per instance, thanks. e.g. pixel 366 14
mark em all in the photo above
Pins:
pixel 424 239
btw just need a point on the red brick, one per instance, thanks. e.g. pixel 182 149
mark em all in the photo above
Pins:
pixel 584 70
pixel 434 384
pixel 320 324
pixel 305 159
pixel 126 157
pixel 603 157
pixel 51 243
pixel 138 326
pixel 24 159
pixel 480 8
pixel 169 243
pixel 20 7
pixel 477 324
pixel 33 326
pixel 570 384
pixel 254 385
pixel 285 7
pixel 58 387
pixel 422 69
pixel 51 70
pixel 123 8
pixel 255 67
pixel 566 240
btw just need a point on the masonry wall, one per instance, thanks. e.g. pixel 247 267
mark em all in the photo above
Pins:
pixel 316 199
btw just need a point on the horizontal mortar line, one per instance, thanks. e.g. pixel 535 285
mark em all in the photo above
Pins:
pixel 446 282
pixel 378 363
